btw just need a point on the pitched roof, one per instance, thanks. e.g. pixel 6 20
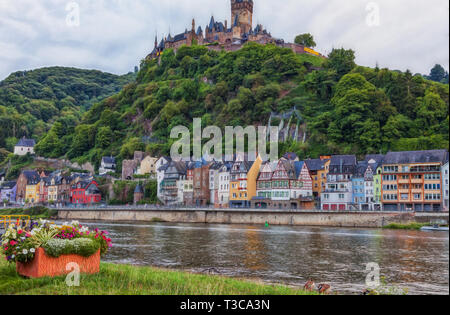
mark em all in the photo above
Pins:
pixel 360 169
pixel 291 156
pixel 32 177
pixel 109 160
pixel 342 164
pixel 406 157
pixel 316 164
pixel 29 143
pixel 8 185
pixel 298 168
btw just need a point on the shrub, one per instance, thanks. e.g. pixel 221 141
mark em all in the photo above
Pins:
pixel 81 246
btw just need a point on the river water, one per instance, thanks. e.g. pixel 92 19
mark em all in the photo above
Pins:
pixel 413 260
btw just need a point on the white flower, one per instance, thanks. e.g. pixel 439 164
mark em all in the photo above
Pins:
pixel 25 251
pixel 32 250
pixel 13 256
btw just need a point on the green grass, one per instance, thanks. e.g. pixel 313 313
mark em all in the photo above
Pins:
pixel 130 280
pixel 34 212
pixel 409 226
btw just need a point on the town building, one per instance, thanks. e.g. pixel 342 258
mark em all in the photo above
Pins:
pixel 226 36
pixel 224 186
pixel 264 184
pixel 188 185
pixel 31 177
pixel 8 192
pixel 412 181
pixel 24 146
pixel 108 165
pixel 318 170
pixel 445 185
pixel 85 193
pixel 214 179
pixel 161 167
pixel 358 186
pixel 244 175
pixel 201 184
pixel 338 194
pixel 147 166
pixel 169 186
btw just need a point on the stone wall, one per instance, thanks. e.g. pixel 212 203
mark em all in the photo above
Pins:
pixel 331 219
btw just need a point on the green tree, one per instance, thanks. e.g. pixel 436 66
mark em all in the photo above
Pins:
pixel 305 40
pixel 104 137
pixel 437 73
pixel 342 61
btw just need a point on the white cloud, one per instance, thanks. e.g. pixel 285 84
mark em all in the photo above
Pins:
pixel 114 35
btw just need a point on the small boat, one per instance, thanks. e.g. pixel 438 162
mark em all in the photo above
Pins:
pixel 435 228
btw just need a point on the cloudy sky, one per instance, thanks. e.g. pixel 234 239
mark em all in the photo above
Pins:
pixel 114 35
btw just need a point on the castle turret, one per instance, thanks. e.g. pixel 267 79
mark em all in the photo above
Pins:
pixel 242 15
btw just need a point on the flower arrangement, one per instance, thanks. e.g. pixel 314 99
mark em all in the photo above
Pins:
pixel 20 244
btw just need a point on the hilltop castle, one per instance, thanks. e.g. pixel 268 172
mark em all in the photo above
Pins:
pixel 221 36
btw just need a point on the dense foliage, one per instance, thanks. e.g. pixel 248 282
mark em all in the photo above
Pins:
pixel 345 108
pixel 32 101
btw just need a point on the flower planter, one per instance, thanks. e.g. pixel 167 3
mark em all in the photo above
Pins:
pixel 46 266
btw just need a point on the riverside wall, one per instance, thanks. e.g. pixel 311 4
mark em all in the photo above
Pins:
pixel 259 217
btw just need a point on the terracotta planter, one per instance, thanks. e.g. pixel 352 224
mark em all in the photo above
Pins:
pixel 46 266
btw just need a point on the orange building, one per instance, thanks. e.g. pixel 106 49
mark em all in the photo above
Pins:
pixel 412 180
pixel 318 169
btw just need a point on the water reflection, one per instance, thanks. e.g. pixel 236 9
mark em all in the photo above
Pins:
pixel 291 255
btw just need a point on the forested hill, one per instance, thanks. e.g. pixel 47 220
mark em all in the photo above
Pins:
pixel 32 101
pixel 345 108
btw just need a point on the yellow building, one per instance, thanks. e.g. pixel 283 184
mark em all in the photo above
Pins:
pixel 243 182
pixel 32 192
pixel 147 166
pixel 318 170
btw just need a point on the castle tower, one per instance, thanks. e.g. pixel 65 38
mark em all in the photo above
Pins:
pixel 242 15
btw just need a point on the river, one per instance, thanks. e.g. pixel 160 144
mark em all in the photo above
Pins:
pixel 413 260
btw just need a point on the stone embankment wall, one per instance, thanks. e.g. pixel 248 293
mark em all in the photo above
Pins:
pixel 344 219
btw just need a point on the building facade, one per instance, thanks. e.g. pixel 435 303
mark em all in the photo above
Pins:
pixel 338 194
pixel 8 192
pixel 412 181
pixel 445 186
pixel 85 193
pixel 24 147
pixel 107 165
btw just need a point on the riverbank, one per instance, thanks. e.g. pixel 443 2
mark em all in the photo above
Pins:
pixel 250 216
pixel 34 212
pixel 132 280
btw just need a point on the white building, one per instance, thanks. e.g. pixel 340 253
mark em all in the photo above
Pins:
pixel 108 165
pixel 24 146
pixel 214 182
pixel 338 194
pixel 445 186
pixel 161 166
pixel 224 186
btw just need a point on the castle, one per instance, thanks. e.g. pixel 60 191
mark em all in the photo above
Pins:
pixel 221 36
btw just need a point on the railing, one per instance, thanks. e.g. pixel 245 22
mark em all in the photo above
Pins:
pixel 7 220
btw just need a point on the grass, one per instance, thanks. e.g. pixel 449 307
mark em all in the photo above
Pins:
pixel 409 226
pixel 131 280
pixel 35 212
